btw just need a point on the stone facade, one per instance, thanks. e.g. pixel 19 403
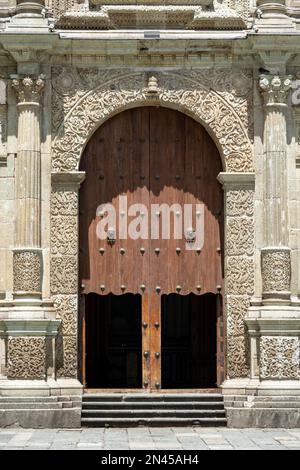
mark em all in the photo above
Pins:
pixel 216 64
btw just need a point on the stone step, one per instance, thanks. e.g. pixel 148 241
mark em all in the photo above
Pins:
pixel 210 405
pixel 161 397
pixel 27 399
pixel 169 421
pixel 117 413
pixel 30 406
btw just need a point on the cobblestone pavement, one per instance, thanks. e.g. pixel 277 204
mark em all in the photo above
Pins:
pixel 150 439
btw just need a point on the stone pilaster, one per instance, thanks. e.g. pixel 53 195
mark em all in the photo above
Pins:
pixel 275 255
pixel 28 267
pixel 239 267
pixel 64 267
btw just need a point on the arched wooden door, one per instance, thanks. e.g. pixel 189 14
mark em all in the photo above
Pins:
pixel 160 158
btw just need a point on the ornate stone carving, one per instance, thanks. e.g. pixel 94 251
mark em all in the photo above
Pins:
pixel 237 307
pixel 28 89
pixel 239 203
pixel 26 358
pixel 96 95
pixel 240 236
pixel 66 356
pixel 237 357
pixel 64 203
pixel 64 239
pixel 184 14
pixel 239 275
pixel 66 308
pixel 279 357
pixel 27 271
pixel 276 270
pixel 274 88
pixel 64 274
pixel 58 7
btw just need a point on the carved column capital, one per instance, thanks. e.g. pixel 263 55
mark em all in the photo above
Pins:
pixel 275 88
pixel 28 89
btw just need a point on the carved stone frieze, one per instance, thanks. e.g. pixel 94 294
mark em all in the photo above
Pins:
pixel 83 99
pixel 279 357
pixel 26 358
pixel 27 267
pixel 276 270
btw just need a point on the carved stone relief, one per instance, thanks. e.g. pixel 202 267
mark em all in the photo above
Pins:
pixel 26 358
pixel 27 271
pixel 239 241
pixel 276 270
pixel 279 357
pixel 85 98
pixel 64 277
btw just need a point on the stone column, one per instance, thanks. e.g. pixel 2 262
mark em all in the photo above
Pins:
pixel 275 255
pixel 28 263
pixel 30 7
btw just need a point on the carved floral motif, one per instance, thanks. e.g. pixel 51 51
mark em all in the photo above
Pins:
pixel 80 107
pixel 64 274
pixel 237 356
pixel 239 202
pixel 26 358
pixel 240 275
pixel 66 356
pixel 275 89
pixel 27 271
pixel 279 357
pixel 66 308
pixel 276 270
pixel 64 203
pixel 64 235
pixel 28 89
pixel 240 236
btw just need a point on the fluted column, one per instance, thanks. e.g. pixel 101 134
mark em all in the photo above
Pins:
pixel 27 253
pixel 275 255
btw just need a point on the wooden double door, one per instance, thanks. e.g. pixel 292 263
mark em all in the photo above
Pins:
pixel 150 164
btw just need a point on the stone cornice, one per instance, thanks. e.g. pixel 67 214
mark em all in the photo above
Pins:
pixel 71 180
pixel 186 16
pixel 237 180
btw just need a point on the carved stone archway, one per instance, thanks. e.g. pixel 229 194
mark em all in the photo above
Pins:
pixel 220 100
pixel 208 97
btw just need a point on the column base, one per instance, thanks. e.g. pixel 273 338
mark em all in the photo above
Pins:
pixel 250 403
pixel 39 404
